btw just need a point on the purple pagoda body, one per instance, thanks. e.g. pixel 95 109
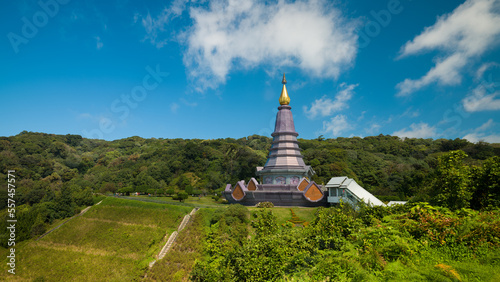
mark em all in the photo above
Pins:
pixel 285 159
pixel 284 179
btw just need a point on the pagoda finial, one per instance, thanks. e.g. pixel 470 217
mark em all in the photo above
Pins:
pixel 284 98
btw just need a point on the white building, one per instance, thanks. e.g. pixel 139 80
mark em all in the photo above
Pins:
pixel 347 190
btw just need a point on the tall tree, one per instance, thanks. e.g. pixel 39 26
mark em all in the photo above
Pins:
pixel 486 182
pixel 452 185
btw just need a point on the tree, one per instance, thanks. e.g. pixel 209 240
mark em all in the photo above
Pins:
pixel 452 185
pixel 58 149
pixel 73 140
pixel 64 203
pixel 108 187
pixel 189 189
pixel 486 182
pixel 181 196
pixel 126 190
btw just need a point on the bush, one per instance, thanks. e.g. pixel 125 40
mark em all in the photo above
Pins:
pixel 264 223
pixel 38 229
pixel 336 267
pixel 181 196
pixel 265 205
pixel 232 214
pixel 332 226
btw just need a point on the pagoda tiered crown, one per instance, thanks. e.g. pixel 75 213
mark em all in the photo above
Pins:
pixel 285 164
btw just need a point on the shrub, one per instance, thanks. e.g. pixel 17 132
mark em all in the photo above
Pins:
pixel 332 226
pixel 385 243
pixel 264 222
pixel 181 196
pixel 336 267
pixel 265 205
pixel 38 228
pixel 234 213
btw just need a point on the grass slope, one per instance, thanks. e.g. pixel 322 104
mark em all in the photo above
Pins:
pixel 203 202
pixel 113 241
pixel 283 213
pixel 178 262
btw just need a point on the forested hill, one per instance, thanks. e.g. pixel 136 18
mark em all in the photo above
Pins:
pixel 57 175
pixel 385 165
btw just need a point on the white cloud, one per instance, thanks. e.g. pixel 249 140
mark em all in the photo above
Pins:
pixel 177 7
pixel 410 113
pixel 486 125
pixel 174 107
pixel 310 35
pixel 480 135
pixel 336 125
pixel 483 68
pixel 374 128
pixel 156 26
pixel 326 106
pixel 479 100
pixel 421 130
pixel 99 43
pixel 467 32
pixel 446 72
pixel 476 137
pixel 84 116
pixel 362 116
pixel 90 117
pixel 187 103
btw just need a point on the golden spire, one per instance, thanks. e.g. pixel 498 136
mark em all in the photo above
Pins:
pixel 284 98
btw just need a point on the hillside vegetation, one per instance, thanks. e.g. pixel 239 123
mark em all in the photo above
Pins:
pixel 57 175
pixel 113 241
pixel 415 242
pixel 188 248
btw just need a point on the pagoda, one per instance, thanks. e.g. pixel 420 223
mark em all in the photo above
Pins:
pixel 285 178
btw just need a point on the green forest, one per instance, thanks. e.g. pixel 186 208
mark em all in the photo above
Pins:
pixel 58 175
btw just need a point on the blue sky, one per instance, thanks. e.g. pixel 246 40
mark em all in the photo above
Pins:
pixel 212 69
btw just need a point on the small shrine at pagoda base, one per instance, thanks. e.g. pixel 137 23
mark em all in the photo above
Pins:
pixel 285 179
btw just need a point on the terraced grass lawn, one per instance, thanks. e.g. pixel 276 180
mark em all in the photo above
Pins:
pixel 206 202
pixel 283 213
pixel 113 241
